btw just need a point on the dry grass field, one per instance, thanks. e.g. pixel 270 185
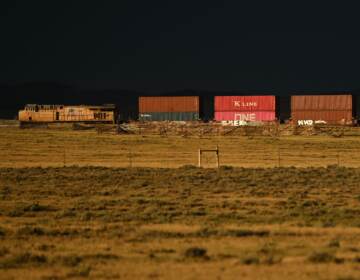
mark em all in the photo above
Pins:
pixel 96 218
pixel 59 147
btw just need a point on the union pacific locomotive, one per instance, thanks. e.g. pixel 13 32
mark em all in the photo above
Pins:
pixel 61 113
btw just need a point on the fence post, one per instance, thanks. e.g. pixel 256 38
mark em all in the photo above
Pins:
pixel 130 159
pixel 216 151
pixel 199 158
pixel 279 157
pixel 64 157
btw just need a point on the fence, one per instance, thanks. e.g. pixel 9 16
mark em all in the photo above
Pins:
pixel 204 157
pixel 59 147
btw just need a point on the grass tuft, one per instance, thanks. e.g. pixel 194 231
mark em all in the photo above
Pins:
pixel 322 257
pixel 196 253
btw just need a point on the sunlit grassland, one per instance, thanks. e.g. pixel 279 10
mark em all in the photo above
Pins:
pixel 187 223
pixel 59 147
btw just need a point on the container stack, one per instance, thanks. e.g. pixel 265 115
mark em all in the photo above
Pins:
pixel 321 109
pixel 169 108
pixel 245 108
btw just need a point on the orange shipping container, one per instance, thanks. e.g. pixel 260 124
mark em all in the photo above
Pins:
pixel 330 109
pixel 169 104
pixel 321 102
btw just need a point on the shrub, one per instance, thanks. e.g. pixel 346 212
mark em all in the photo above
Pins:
pixel 334 243
pixel 248 232
pixel 3 251
pixel 36 207
pixel 2 232
pixel 28 230
pixel 82 271
pixel 71 260
pixel 22 259
pixel 321 257
pixel 250 260
pixel 196 252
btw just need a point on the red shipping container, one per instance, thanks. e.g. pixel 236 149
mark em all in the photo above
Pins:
pixel 321 102
pixel 244 103
pixel 252 116
pixel 165 104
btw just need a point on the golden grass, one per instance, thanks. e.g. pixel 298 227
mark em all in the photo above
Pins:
pixel 103 223
pixel 56 147
pixel 177 223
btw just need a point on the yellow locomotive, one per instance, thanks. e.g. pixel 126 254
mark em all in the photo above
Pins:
pixel 63 113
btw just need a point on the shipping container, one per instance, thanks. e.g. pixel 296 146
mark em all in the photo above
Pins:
pixel 169 116
pixel 244 103
pixel 169 104
pixel 321 102
pixel 326 109
pixel 250 116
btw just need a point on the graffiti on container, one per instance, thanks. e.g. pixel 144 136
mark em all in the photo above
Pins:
pixel 245 104
pixel 241 119
pixel 310 122
pixel 305 122
pixel 245 117
pixel 234 123
pixel 145 116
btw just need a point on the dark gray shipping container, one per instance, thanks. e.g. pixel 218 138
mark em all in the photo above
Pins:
pixel 169 116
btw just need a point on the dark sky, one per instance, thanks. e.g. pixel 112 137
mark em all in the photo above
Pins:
pixel 167 45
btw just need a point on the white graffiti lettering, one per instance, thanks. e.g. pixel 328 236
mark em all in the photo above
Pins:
pixel 234 123
pixel 305 122
pixel 245 117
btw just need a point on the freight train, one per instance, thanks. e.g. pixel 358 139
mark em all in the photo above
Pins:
pixel 336 109
pixel 241 110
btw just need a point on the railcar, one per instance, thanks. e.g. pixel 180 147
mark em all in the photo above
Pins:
pixel 34 113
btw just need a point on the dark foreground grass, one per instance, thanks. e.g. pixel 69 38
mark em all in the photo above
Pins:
pixel 80 221
pixel 310 196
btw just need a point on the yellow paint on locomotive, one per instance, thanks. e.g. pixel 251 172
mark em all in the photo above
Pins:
pixel 62 113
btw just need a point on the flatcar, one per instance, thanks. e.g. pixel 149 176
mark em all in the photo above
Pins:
pixel 62 113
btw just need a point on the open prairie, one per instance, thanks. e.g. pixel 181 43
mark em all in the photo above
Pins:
pixel 63 146
pixel 97 218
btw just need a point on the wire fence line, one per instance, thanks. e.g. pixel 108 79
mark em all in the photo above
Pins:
pixel 56 147
pixel 131 158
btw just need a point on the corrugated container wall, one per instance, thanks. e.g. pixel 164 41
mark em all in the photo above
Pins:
pixel 168 116
pixel 332 109
pixel 321 102
pixel 169 108
pixel 169 104
pixel 245 108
